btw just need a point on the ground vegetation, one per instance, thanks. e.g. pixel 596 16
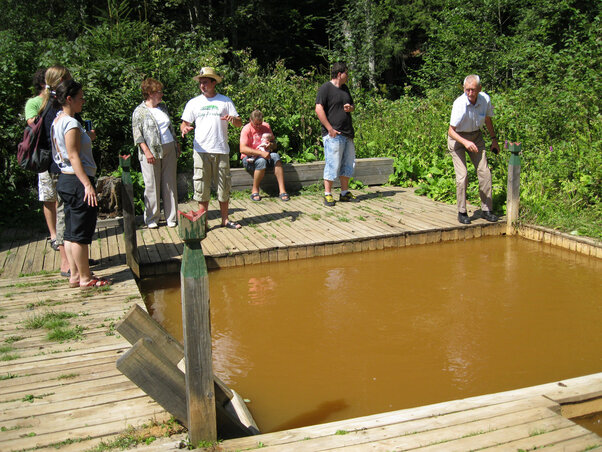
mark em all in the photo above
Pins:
pixel 540 60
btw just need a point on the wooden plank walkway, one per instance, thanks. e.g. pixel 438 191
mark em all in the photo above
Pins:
pixel 70 395
pixel 303 227
pixel 64 392
pixel 524 419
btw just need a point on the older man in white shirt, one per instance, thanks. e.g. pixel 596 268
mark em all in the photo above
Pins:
pixel 469 112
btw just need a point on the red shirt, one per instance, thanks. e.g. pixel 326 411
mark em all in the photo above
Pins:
pixel 251 136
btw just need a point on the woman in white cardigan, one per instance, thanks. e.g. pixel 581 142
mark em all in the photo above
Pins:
pixel 158 152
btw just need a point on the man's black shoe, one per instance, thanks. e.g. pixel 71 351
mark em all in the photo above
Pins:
pixel 486 215
pixel 463 218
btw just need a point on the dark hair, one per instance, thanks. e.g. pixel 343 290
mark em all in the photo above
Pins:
pixel 39 80
pixel 65 89
pixel 337 67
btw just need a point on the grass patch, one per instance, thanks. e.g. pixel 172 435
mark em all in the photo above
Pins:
pixel 94 291
pixel 146 434
pixel 9 357
pixel 313 189
pixel 341 432
pixel 40 273
pixel 58 325
pixel 13 339
pixel 61 334
pixel 30 397
pixel 67 376
pixel 6 348
pixel 52 282
pixel 48 320
pixel 8 376
pixel 47 302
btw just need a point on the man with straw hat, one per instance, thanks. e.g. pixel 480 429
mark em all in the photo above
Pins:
pixel 209 115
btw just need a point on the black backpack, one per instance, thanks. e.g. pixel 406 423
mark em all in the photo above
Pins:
pixel 30 153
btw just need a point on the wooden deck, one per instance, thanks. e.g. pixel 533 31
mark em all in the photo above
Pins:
pixel 70 395
pixel 63 393
pixel 523 419
pixel 303 227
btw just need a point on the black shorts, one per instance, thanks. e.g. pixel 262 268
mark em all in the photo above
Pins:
pixel 80 217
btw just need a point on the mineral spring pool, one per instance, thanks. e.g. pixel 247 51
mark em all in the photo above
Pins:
pixel 330 338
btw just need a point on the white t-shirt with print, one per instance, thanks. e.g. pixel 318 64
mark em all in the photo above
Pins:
pixel 210 131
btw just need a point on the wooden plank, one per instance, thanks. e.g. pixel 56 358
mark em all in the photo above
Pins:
pixel 159 246
pixel 39 254
pixel 369 170
pixel 149 245
pixel 137 324
pixel 94 251
pixel 330 220
pixel 285 219
pixel 562 439
pixel 153 372
pixel 15 260
pixel 6 240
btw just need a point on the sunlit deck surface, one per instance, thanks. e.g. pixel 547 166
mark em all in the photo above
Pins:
pixel 303 227
pixel 70 395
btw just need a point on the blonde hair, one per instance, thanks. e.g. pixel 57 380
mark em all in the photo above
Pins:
pixel 54 76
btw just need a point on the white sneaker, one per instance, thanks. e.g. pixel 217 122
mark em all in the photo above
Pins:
pixel 153 225
pixel 172 224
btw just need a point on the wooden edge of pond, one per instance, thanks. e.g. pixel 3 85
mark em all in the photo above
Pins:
pixel 376 242
pixel 520 419
pixel 583 245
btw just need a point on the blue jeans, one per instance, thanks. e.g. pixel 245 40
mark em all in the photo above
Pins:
pixel 339 157
pixel 260 163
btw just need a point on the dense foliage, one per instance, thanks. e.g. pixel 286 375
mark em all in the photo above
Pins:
pixel 540 61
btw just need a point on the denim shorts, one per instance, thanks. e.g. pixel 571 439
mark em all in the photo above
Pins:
pixel 339 157
pixel 260 163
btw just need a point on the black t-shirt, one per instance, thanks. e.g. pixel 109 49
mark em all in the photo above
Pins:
pixel 333 99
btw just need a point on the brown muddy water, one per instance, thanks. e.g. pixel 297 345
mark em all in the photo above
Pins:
pixel 330 338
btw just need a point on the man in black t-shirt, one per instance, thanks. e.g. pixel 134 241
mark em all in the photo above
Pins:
pixel 333 107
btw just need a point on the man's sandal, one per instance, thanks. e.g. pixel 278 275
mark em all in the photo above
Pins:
pixel 255 197
pixel 284 196
pixel 231 225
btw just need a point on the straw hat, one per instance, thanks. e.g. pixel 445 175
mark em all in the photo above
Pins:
pixel 208 72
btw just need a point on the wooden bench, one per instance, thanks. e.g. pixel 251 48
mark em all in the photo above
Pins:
pixel 370 171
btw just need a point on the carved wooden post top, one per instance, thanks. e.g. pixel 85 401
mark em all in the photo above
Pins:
pixel 515 149
pixel 191 226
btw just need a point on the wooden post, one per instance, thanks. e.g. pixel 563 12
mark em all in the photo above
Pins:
pixel 196 321
pixel 513 190
pixel 129 215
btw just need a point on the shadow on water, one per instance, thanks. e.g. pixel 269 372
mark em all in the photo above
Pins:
pixel 320 414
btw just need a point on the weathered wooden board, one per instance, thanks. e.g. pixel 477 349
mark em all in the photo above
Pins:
pixel 371 171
